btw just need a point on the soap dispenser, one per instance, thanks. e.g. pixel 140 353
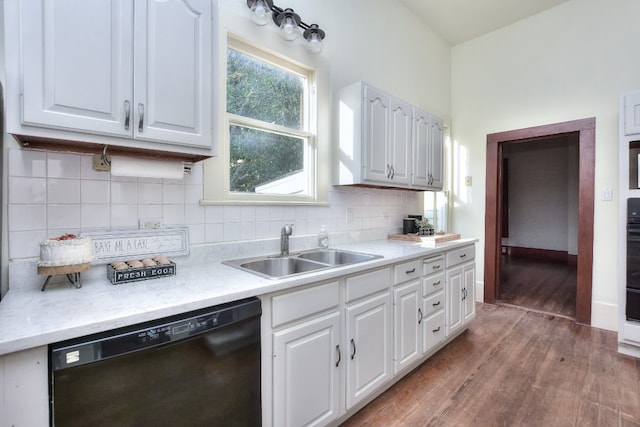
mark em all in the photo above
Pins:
pixel 323 237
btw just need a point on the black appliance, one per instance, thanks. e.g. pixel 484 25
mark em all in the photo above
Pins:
pixel 633 259
pixel 201 368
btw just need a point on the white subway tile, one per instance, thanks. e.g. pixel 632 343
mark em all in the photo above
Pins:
pixel 24 244
pixel 61 191
pixel 27 190
pixel 193 194
pixel 173 214
pixel 95 216
pixel 149 211
pixel 27 163
pixel 27 217
pixel 94 191
pixel 214 232
pixel 65 217
pixel 63 165
pixel 149 193
pixel 172 194
pixel 194 214
pixel 124 192
pixel 125 216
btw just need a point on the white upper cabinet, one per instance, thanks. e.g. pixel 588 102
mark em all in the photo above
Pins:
pixel 77 64
pixel 376 135
pixel 137 71
pixel 383 141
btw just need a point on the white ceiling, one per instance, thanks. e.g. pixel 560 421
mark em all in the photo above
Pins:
pixel 460 20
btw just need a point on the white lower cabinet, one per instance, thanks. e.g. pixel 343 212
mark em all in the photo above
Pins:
pixel 369 344
pixel 305 377
pixel 460 293
pixel 330 348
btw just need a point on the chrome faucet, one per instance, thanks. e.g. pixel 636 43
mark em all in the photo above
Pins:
pixel 284 239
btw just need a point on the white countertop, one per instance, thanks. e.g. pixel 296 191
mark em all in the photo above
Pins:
pixel 32 318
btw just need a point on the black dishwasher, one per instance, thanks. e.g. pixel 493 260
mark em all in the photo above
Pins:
pixel 200 368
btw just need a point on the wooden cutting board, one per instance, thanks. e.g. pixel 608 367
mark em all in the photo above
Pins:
pixel 427 240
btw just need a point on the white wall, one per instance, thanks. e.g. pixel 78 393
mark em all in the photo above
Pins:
pixel 375 41
pixel 570 62
pixel 540 197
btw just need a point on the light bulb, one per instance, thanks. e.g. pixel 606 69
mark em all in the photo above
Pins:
pixel 315 43
pixel 259 13
pixel 289 29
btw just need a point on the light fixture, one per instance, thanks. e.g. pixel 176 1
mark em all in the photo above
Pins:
pixel 289 22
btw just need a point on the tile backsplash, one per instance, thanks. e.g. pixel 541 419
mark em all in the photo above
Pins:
pixel 51 193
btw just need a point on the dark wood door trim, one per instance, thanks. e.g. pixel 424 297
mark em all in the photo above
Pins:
pixel 585 131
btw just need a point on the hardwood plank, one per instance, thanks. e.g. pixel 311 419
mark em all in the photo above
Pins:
pixel 516 367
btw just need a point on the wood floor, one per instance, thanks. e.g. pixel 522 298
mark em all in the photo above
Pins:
pixel 516 367
pixel 547 286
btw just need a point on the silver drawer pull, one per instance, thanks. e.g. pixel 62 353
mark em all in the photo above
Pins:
pixel 436 283
pixel 436 304
pixel 436 330
pixel 435 267
pixel 463 255
pixel 413 270
pixel 141 120
pixel 127 114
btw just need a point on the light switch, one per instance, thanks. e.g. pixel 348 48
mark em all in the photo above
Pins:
pixel 607 194
pixel 467 181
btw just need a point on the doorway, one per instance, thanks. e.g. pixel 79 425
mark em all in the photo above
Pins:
pixel 584 132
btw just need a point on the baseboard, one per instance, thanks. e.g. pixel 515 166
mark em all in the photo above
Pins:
pixel 540 254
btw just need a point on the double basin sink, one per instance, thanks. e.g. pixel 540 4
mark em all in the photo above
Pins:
pixel 279 267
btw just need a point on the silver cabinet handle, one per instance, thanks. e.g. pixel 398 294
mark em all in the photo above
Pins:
pixel 127 114
pixel 388 171
pixel 393 172
pixel 413 270
pixel 420 316
pixel 435 267
pixel 463 255
pixel 141 114
pixel 436 330
pixel 353 349
pixel 436 283
pixel 339 355
pixel 436 304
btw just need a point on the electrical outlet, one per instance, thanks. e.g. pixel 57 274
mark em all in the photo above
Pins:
pixel 150 223
pixel 468 181
pixel 99 164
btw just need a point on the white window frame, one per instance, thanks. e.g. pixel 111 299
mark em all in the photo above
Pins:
pixel 238 33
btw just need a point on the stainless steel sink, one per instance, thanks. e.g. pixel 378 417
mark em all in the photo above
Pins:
pixel 281 267
pixel 278 267
pixel 335 257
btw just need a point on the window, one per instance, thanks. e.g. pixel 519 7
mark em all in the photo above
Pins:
pixel 269 151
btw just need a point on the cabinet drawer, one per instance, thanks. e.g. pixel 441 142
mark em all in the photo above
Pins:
pixel 433 283
pixel 407 271
pixel 433 304
pixel 306 302
pixel 433 264
pixel 461 255
pixel 366 284
pixel 433 331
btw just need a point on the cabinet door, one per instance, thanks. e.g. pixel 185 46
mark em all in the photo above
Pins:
pixel 400 142
pixel 421 149
pixel 368 346
pixel 469 300
pixel 376 135
pixel 306 360
pixel 77 64
pixel 408 316
pixel 453 296
pixel 173 72
pixel 436 141
pixel 632 113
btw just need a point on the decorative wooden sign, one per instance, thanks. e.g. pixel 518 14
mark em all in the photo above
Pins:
pixel 138 244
